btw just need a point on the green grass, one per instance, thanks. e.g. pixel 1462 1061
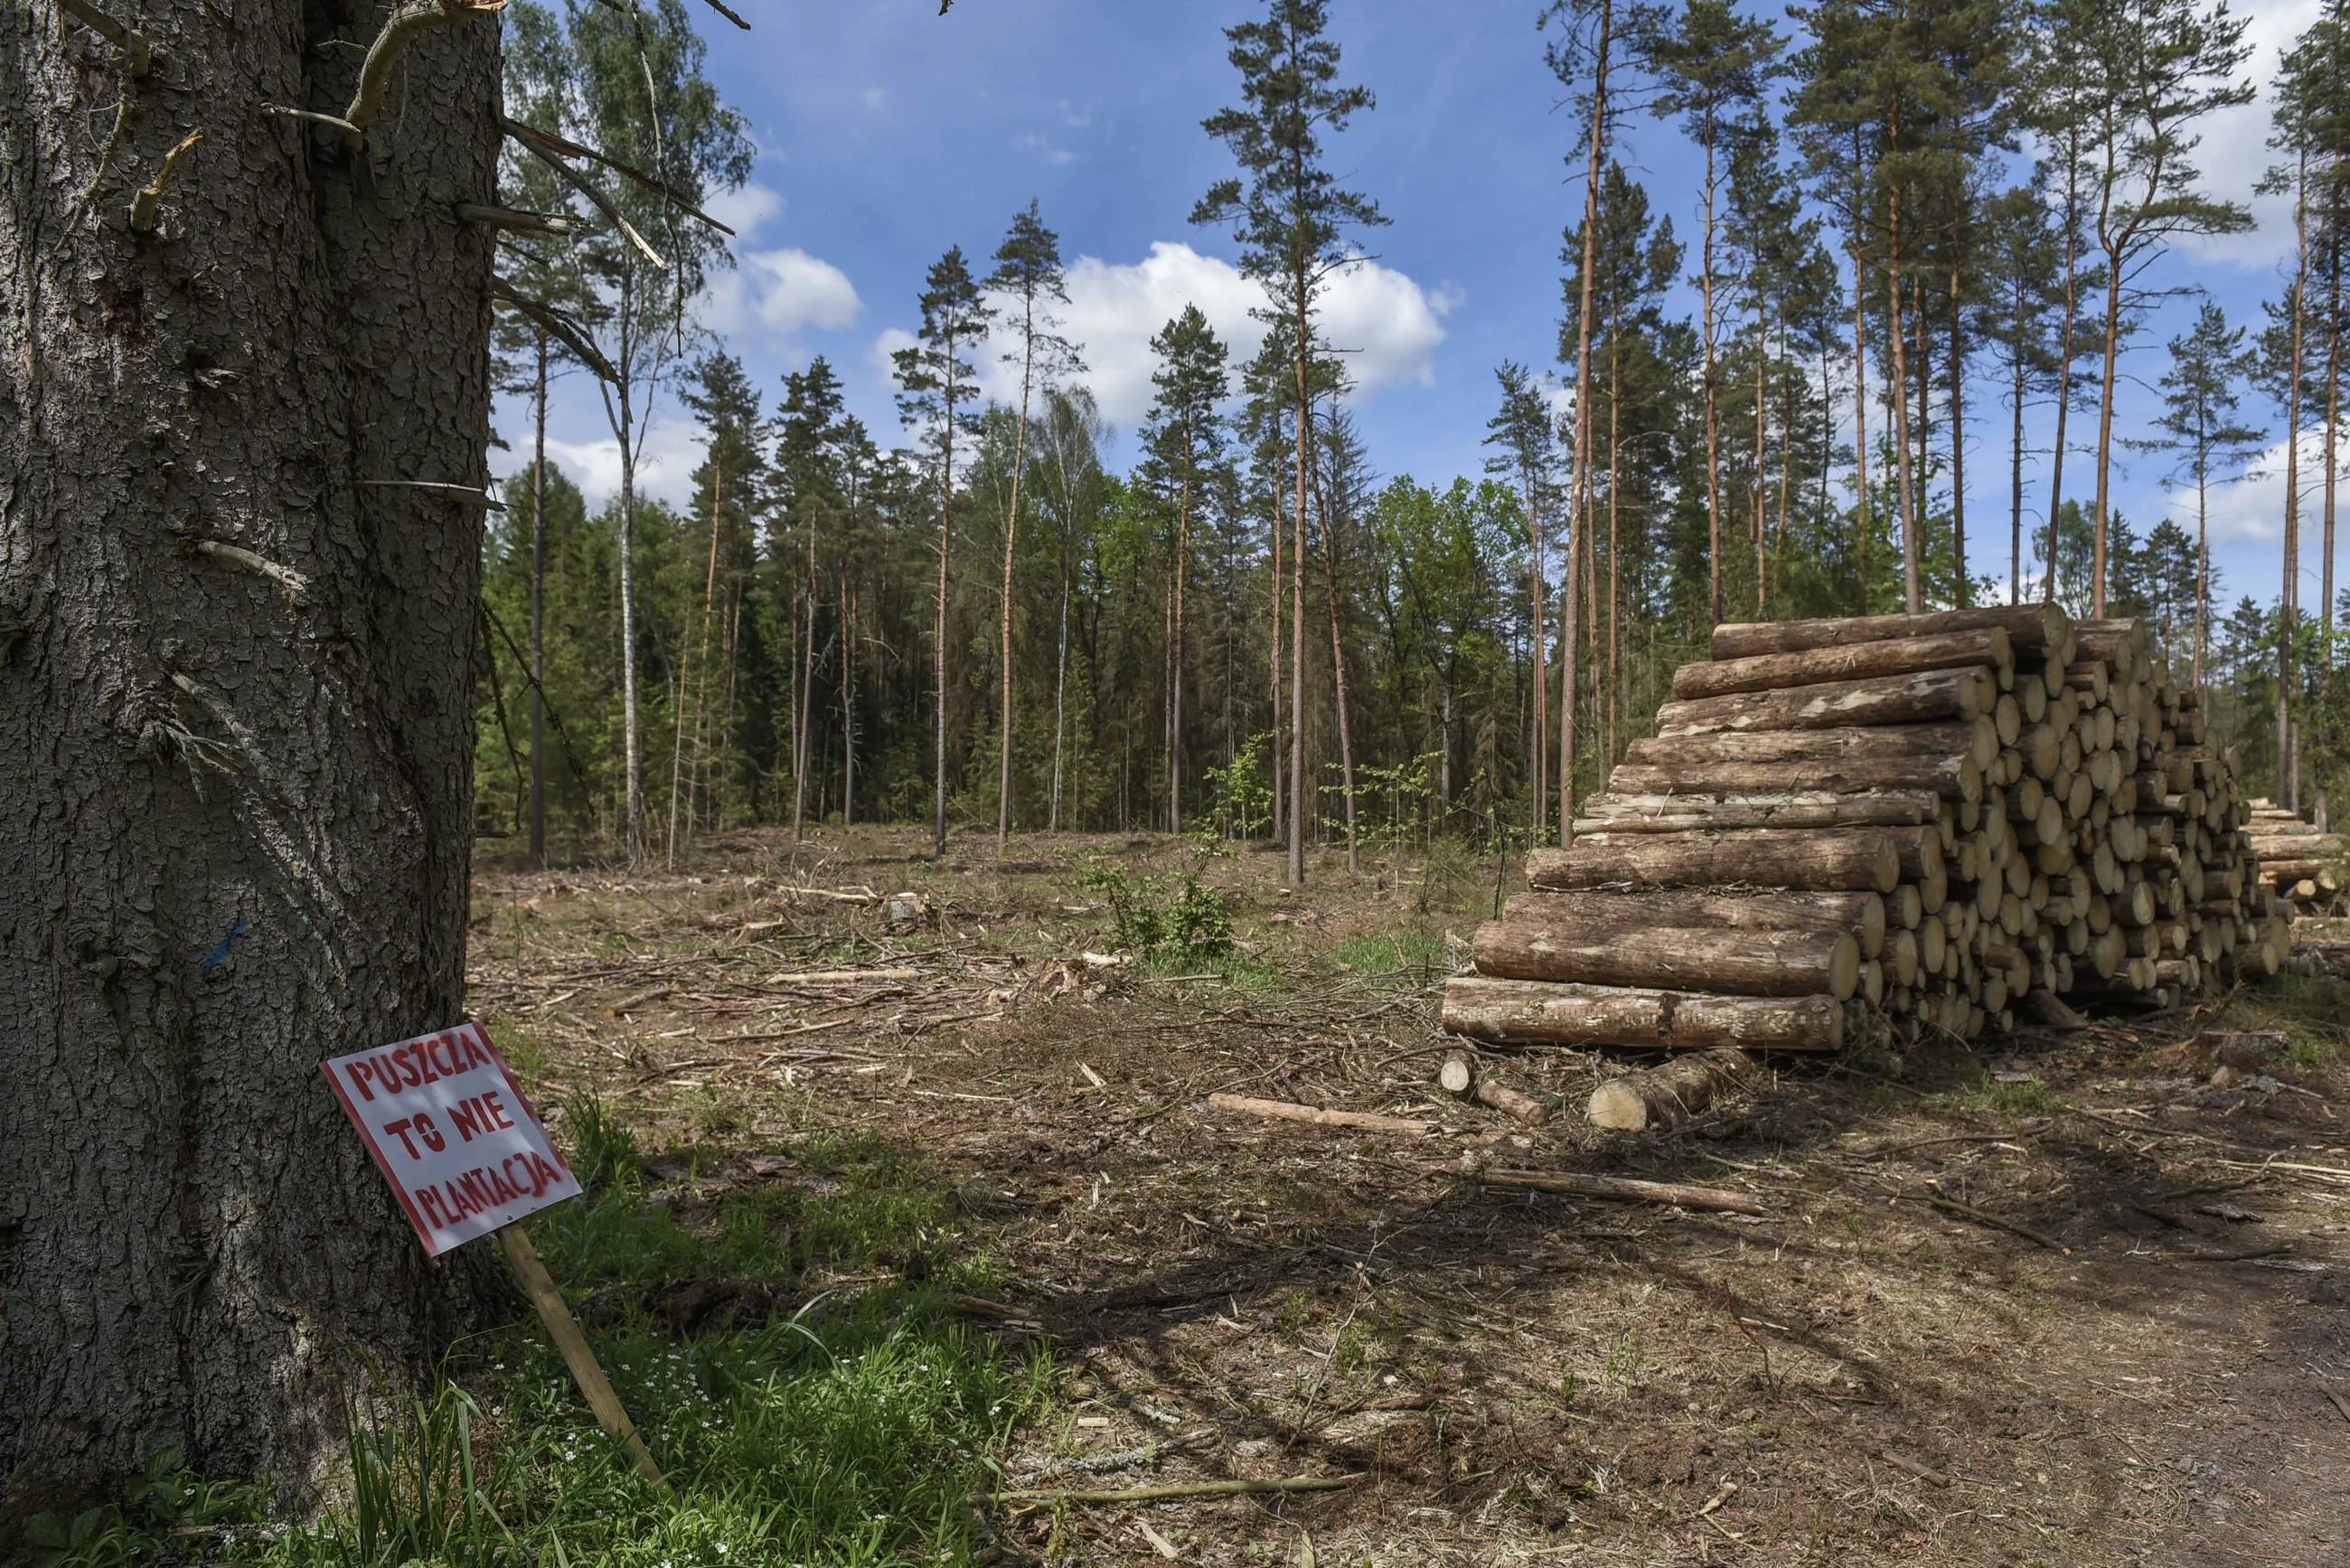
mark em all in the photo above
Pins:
pixel 1418 952
pixel 2312 1011
pixel 852 1435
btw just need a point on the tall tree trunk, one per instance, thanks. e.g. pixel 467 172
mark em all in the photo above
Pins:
pixel 2333 425
pixel 237 649
pixel 1860 416
pixel 1277 752
pixel 1905 500
pixel 1301 302
pixel 632 822
pixel 2202 560
pixel 1758 488
pixel 1958 367
pixel 1540 747
pixel 2105 430
pixel 1175 664
pixel 803 691
pixel 1011 533
pixel 1060 693
pixel 847 704
pixel 1707 326
pixel 2288 602
pixel 538 617
pixel 2015 454
pixel 1580 486
pixel 1338 666
pixel 697 672
pixel 2064 383
pixel 939 621
pixel 1614 484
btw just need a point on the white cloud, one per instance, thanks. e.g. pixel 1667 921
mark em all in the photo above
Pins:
pixel 672 449
pixel 746 209
pixel 2251 511
pixel 1388 324
pixel 2235 150
pixel 879 356
pixel 780 292
pixel 1043 147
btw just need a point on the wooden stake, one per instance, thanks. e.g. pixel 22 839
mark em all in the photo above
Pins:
pixel 539 1286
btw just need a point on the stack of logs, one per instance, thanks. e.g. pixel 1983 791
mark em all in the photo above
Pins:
pixel 1850 833
pixel 2296 859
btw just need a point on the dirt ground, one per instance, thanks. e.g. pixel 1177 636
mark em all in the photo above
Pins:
pixel 2147 1362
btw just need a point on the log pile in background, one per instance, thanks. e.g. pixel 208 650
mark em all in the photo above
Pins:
pixel 1855 832
pixel 2298 861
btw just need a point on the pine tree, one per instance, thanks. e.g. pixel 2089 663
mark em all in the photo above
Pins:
pixel 1521 432
pixel 935 381
pixel 1029 275
pixel 808 505
pixel 2158 66
pixel 1290 218
pixel 2199 425
pixel 2022 257
pixel 1183 444
pixel 723 399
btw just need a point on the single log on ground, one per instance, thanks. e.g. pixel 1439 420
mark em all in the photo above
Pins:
pixel 1623 812
pixel 1669 1095
pixel 1533 1012
pixel 1742 963
pixel 1707 1199
pixel 1976 738
pixel 2027 627
pixel 1288 1111
pixel 1848 661
pixel 1591 914
pixel 1929 696
pixel 1950 776
pixel 1860 860
pixel 1460 1078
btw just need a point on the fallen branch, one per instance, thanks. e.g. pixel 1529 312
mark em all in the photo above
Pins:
pixel 1181 1489
pixel 1287 1111
pixel 1704 1200
pixel 1923 1472
pixel 1967 1212
pixel 843 976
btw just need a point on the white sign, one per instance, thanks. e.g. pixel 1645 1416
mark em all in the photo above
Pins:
pixel 452 1132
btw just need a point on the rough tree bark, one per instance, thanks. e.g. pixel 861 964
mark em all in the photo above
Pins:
pixel 236 638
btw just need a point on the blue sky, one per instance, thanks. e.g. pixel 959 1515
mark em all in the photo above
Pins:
pixel 887 133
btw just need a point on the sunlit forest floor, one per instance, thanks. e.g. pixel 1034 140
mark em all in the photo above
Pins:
pixel 975 1169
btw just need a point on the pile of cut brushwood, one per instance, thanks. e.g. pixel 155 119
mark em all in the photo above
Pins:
pixel 1852 833
pixel 2298 859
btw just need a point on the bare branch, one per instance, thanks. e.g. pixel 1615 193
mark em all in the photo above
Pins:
pixel 138 59
pixel 472 492
pixel 728 13
pixel 573 178
pixel 545 143
pixel 556 323
pixel 406 24
pixel 518 219
pixel 287 578
pixel 150 196
pixel 282 111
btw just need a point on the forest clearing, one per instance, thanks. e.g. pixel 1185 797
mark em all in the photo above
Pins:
pixel 2072 1301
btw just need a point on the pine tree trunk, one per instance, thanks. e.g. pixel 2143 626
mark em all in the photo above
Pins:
pixel 632 811
pixel 1276 753
pixel 847 705
pixel 2015 457
pixel 2064 385
pixel 803 750
pixel 1540 747
pixel 1757 488
pixel 939 621
pixel 1912 588
pixel 1966 593
pixel 697 673
pixel 1708 328
pixel 538 619
pixel 1060 693
pixel 2333 428
pixel 2105 430
pixel 1614 479
pixel 236 718
pixel 1301 302
pixel 1860 416
pixel 1010 535
pixel 1338 668
pixel 1580 486
pixel 2288 602
pixel 2202 562
pixel 1175 665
